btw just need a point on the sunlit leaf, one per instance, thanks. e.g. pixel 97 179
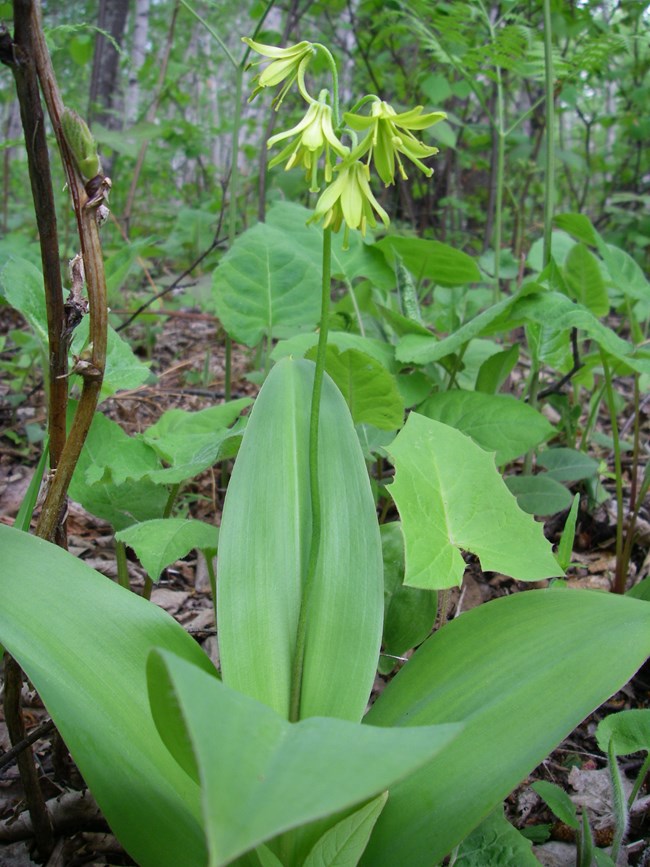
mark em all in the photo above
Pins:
pixel 451 497
pixel 370 391
pixel 258 771
pixel 471 670
pixel 263 546
pixel 84 643
pixel 159 543
pixel 497 422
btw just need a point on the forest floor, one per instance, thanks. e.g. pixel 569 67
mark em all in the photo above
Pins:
pixel 186 381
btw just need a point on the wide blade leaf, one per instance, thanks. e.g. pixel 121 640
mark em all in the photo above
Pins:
pixel 451 497
pixel 585 280
pixel 84 643
pixel 370 391
pixel 261 775
pixel 163 541
pixel 497 422
pixel 439 263
pixel 266 285
pixel 522 672
pixel 263 545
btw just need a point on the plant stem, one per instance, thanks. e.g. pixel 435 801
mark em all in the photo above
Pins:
pixel 28 774
pixel 122 567
pixel 31 114
pixel 314 485
pixel 639 780
pixel 620 577
pixel 91 251
pixel 549 177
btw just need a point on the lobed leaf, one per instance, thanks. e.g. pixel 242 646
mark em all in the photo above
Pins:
pixel 450 497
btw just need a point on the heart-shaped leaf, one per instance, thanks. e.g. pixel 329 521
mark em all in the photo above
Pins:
pixel 266 285
pixel 451 497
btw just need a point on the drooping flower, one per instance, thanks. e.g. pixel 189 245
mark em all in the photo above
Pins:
pixel 389 137
pixel 349 199
pixel 287 64
pixel 314 135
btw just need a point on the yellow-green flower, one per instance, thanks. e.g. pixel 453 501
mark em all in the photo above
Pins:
pixel 350 199
pixel 287 64
pixel 314 134
pixel 389 136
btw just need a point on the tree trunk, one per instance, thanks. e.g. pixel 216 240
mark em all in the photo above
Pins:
pixel 138 54
pixel 104 100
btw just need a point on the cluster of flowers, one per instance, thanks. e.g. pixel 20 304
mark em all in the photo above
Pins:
pixel 347 199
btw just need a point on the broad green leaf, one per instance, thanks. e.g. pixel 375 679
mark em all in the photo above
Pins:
pixel 414 387
pixel 133 499
pixel 549 346
pixel 190 442
pixel 266 286
pixel 161 542
pixel 558 802
pixel 409 613
pixel 418 349
pixel 471 670
pixel 564 314
pixel 495 370
pixel 451 497
pixel 497 422
pixel 567 465
pixel 84 642
pixel 437 262
pixel 261 775
pixel 629 730
pixel 298 346
pixel 625 273
pixel 539 495
pixel 497 843
pixel 577 225
pixel 360 260
pixel 21 283
pixel 343 845
pixel 124 369
pixel 641 590
pixel 263 546
pixel 111 455
pixel 370 391
pixel 266 857
pixel 585 281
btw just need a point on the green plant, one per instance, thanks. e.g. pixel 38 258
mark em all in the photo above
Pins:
pixel 275 763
